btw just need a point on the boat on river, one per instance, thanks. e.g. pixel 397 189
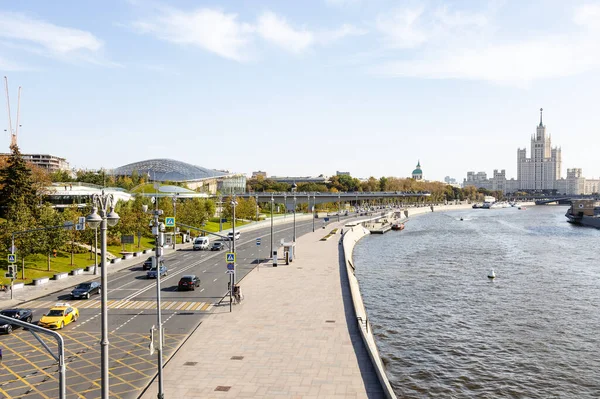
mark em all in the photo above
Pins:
pixel 585 212
pixel 398 226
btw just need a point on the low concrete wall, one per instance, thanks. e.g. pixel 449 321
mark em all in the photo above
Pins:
pixel 127 256
pixel 18 286
pixel 40 281
pixel 350 238
pixel 89 268
pixel 76 272
pixel 115 260
pixel 60 276
pixel 137 253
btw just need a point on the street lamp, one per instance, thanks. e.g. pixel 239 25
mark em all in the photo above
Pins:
pixel 256 208
pixel 157 232
pixel 313 210
pixel 233 204
pixel 272 202
pixel 294 240
pixel 103 202
pixel 220 213
pixel 174 217
pixel 339 207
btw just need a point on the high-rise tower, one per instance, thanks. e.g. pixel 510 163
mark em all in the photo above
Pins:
pixel 541 171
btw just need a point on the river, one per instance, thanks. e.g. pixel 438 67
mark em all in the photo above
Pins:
pixel 445 330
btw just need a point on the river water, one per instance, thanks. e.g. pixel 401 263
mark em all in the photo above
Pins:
pixel 444 330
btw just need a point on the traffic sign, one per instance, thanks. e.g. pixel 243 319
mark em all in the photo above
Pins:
pixel 230 272
pixel 230 257
pixel 258 242
pixel 231 266
pixel 12 258
pixel 170 221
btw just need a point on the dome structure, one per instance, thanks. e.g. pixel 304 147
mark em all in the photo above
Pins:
pixel 417 174
pixel 168 170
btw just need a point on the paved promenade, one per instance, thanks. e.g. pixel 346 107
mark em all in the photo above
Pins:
pixel 293 336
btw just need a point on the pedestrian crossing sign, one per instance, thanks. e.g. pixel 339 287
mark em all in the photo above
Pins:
pixel 170 222
pixel 230 257
pixel 12 258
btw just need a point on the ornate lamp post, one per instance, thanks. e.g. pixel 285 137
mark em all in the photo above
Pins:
pixel 103 203
pixel 272 203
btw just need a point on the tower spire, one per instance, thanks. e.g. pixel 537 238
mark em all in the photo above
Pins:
pixel 541 109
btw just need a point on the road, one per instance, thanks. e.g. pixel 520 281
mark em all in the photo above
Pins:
pixel 28 371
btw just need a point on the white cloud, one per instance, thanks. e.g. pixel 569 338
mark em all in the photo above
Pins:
pixel 341 3
pixel 210 29
pixel 278 31
pixel 52 38
pixel 457 45
pixel 342 32
pixel 401 28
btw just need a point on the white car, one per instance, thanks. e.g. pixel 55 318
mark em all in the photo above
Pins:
pixel 237 235
pixel 201 243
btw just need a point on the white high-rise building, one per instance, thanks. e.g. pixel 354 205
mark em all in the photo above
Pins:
pixel 542 170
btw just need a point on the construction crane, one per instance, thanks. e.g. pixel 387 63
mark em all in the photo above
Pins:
pixel 13 133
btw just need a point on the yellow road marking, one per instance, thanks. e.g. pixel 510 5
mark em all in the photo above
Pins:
pixel 206 307
pixel 39 369
pixel 169 306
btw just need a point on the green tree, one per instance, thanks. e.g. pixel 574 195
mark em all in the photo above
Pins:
pixel 54 238
pixel 17 185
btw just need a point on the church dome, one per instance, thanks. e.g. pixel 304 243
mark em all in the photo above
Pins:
pixel 417 171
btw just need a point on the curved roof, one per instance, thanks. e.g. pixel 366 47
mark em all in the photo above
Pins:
pixel 167 170
pixel 417 172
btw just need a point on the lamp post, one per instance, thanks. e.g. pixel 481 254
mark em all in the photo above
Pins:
pixel 157 229
pixel 339 207
pixel 313 210
pixel 272 203
pixel 284 205
pixel 233 204
pixel 256 208
pixel 294 240
pixel 220 213
pixel 96 252
pixel 174 217
pixel 103 203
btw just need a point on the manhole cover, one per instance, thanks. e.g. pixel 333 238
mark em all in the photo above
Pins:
pixel 222 388
pixel 190 363
pixel 237 357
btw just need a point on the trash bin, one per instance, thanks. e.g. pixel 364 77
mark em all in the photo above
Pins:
pixel 274 258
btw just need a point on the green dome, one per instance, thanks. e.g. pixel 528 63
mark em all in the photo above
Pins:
pixel 417 172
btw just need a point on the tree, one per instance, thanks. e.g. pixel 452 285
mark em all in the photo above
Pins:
pixel 17 184
pixel 54 238
pixel 21 220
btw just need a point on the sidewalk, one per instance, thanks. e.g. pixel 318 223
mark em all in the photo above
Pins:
pixel 293 336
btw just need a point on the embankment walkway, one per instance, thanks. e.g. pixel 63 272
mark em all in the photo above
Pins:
pixel 293 336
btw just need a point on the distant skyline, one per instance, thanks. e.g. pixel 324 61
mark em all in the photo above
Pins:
pixel 304 88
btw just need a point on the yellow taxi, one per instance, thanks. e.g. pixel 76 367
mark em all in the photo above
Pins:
pixel 59 316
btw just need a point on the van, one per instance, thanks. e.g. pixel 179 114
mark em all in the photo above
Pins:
pixel 201 243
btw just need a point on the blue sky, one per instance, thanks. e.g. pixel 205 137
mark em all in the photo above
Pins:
pixel 304 88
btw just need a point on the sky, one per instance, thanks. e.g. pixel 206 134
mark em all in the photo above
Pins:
pixel 303 88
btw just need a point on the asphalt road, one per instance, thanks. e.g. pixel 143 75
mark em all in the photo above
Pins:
pixel 28 371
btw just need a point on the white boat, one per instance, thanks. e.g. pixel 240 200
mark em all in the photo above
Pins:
pixel 492 274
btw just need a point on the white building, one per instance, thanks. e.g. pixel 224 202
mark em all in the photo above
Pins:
pixel 542 169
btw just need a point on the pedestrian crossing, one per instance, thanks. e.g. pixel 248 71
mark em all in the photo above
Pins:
pixel 127 304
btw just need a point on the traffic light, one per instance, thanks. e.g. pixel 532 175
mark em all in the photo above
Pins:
pixel 12 271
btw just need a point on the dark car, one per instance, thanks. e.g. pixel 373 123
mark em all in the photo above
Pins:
pixel 188 283
pixel 86 290
pixel 148 263
pixel 20 314
pixel 217 246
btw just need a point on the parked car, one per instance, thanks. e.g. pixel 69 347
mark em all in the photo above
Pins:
pixel 201 243
pixel 19 314
pixel 152 272
pixel 148 263
pixel 189 282
pixel 86 290
pixel 59 316
pixel 217 246
pixel 230 235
